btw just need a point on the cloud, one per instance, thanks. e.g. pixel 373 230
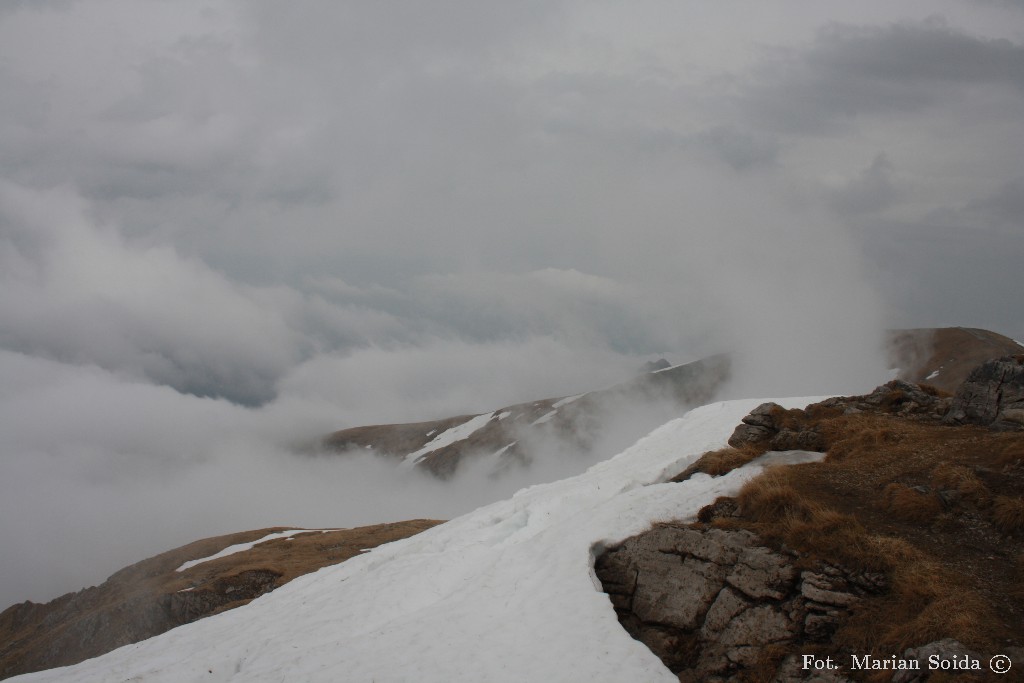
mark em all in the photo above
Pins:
pixel 109 470
pixel 872 190
pixel 1001 210
pixel 229 227
pixel 75 292
pixel 981 236
pixel 852 71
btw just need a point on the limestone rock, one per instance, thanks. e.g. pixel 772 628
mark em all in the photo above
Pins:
pixel 758 625
pixel 819 588
pixel 676 593
pixel 763 416
pixel 708 601
pixel 747 434
pixel 993 395
pixel 761 573
pixel 762 427
pixel 798 440
pixel 727 605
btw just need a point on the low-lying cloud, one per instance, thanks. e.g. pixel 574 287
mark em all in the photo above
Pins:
pixel 229 228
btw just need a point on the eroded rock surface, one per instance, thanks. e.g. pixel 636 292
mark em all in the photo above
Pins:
pixel 766 426
pixel 992 396
pixel 709 601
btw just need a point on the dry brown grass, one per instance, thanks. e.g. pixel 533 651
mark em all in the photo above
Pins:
pixel 909 504
pixel 1008 514
pixel 962 480
pixel 925 603
pixel 725 460
pixel 717 463
pixel 872 504
pixel 1008 451
pixel 770 498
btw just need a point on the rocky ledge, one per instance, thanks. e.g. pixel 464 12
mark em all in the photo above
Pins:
pixel 711 602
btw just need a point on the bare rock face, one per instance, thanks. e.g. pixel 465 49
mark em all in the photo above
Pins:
pixel 708 601
pixel 771 427
pixel 764 427
pixel 992 396
pixel 896 398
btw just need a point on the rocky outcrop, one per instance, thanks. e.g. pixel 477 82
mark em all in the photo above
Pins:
pixel 709 602
pixel 767 427
pixel 992 396
pixel 939 357
pixel 897 397
pixel 771 427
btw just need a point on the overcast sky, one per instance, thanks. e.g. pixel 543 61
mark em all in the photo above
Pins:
pixel 228 225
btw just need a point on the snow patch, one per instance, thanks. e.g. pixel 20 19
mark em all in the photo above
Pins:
pixel 933 375
pixel 567 400
pixel 504 414
pixel 544 418
pixel 242 547
pixel 671 367
pixel 450 436
pixel 498 453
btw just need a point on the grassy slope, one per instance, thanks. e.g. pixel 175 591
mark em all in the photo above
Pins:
pixel 940 509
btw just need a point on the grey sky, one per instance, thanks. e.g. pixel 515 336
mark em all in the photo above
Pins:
pixel 286 218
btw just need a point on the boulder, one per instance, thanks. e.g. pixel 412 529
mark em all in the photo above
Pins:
pixel 761 427
pixel 709 601
pixel 992 396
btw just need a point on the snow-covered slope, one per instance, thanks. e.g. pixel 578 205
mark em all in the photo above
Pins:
pixel 505 593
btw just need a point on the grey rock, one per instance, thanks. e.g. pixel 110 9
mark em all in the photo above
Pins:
pixel 761 416
pixel 993 393
pixel 758 625
pixel 761 573
pixel 676 593
pixel 802 440
pixel 708 601
pixel 727 605
pixel 718 546
pixel 821 589
pixel 1009 420
pixel 748 434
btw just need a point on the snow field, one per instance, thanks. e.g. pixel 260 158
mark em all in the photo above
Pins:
pixel 504 593
pixel 450 436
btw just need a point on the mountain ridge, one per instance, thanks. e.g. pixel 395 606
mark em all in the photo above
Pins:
pixel 266 575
